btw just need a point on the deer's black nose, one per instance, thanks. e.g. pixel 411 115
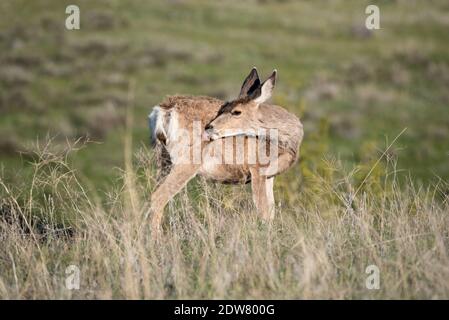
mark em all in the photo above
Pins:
pixel 209 126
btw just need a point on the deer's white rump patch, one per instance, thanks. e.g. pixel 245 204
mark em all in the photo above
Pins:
pixel 164 125
pixel 156 121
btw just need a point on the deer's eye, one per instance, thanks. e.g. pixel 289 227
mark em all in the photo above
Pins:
pixel 236 112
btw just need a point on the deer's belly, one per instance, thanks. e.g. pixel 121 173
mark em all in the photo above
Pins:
pixel 219 166
pixel 225 173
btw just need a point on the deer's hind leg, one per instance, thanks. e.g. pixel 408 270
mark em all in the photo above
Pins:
pixel 177 178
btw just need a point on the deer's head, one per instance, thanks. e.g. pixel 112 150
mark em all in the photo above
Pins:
pixel 242 115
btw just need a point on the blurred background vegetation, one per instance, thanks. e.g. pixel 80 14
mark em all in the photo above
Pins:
pixel 354 89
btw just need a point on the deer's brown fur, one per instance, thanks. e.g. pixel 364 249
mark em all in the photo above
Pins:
pixel 180 112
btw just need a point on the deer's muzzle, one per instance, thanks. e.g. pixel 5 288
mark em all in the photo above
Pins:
pixel 210 135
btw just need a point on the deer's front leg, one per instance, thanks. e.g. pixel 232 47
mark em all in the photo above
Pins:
pixel 260 193
pixel 269 184
pixel 177 178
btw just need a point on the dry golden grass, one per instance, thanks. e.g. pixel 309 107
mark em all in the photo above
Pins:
pixel 214 246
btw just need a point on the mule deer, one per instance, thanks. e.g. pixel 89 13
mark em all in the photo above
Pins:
pixel 193 134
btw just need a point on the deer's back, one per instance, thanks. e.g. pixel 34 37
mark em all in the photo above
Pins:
pixel 192 108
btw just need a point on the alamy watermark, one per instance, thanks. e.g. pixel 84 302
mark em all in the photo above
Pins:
pixel 373 19
pixel 372 282
pixel 231 147
pixel 72 281
pixel 72 22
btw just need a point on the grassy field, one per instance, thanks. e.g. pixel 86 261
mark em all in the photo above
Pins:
pixel 74 190
pixel 214 246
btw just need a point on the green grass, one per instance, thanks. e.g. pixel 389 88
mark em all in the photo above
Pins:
pixel 394 78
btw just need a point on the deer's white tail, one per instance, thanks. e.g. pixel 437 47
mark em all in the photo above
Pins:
pixel 164 125
pixel 158 138
pixel 156 124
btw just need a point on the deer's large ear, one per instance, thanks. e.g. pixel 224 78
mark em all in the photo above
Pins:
pixel 266 89
pixel 251 83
